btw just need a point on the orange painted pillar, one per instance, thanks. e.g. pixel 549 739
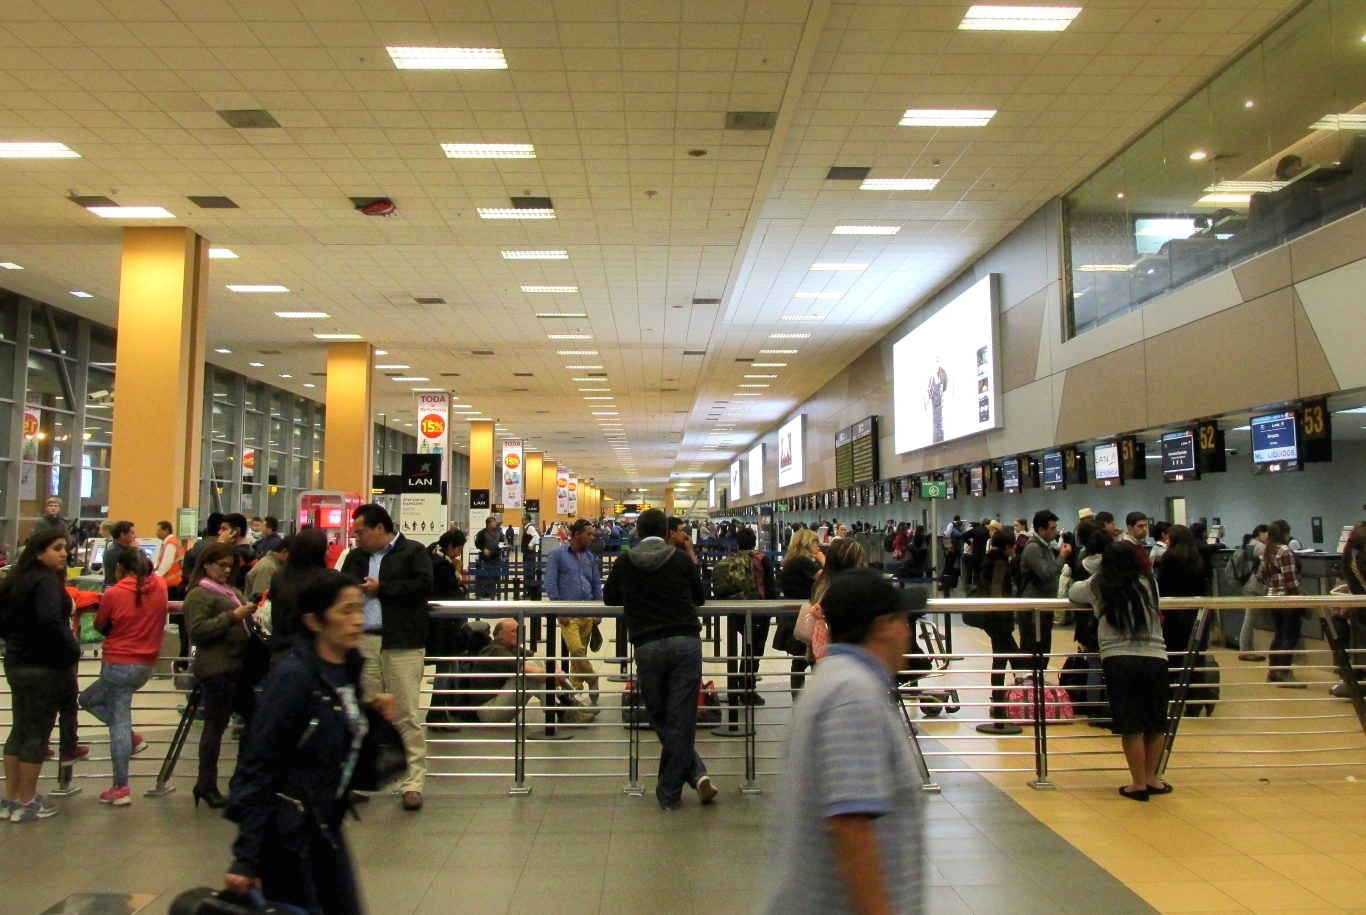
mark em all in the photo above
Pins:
pixel 349 447
pixel 481 472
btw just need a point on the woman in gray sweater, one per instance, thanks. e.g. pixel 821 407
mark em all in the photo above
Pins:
pixel 1133 658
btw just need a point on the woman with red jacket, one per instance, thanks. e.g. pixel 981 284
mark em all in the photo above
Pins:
pixel 132 616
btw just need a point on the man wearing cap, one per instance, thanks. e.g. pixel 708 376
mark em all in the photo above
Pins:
pixel 572 572
pixel 846 831
pixel 661 589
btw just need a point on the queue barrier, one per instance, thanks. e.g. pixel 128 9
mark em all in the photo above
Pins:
pixel 947 687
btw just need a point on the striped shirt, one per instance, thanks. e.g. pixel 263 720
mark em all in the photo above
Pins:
pixel 847 754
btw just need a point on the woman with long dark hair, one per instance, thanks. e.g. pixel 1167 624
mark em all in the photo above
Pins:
pixel 994 581
pixel 1281 572
pixel 1180 572
pixel 216 614
pixel 40 649
pixel 1133 657
pixel 132 616
pixel 307 559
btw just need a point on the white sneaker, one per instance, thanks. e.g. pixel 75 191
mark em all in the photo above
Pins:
pixel 706 791
pixel 40 808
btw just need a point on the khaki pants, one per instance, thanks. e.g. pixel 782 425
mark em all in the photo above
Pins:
pixel 576 632
pixel 399 671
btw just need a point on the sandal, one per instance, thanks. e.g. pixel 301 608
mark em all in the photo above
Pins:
pixel 1134 795
pixel 1164 789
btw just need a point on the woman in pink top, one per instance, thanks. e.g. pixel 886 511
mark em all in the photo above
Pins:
pixel 132 616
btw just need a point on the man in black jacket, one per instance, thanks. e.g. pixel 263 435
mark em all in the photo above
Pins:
pixel 660 589
pixel 396 577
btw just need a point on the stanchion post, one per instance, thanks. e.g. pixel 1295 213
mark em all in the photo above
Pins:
pixel 735 723
pixel 182 731
pixel 750 655
pixel 1039 663
pixel 1176 709
pixel 519 786
pixel 632 788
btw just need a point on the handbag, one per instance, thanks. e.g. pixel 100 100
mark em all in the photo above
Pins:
pixel 382 759
pixel 806 622
pixel 595 638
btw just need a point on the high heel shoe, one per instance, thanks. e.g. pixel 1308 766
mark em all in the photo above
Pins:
pixel 210 796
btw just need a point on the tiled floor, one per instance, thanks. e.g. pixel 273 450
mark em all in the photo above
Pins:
pixel 1230 839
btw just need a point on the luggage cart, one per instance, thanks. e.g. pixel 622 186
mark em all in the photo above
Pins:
pixel 928 658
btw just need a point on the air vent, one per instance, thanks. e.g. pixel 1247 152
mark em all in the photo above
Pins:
pixel 597 375
pixel 429 300
pixel 848 173
pixel 92 201
pixel 519 390
pixel 249 119
pixel 532 203
pixel 694 352
pixel 751 120
pixel 522 375
pixel 481 352
pixel 668 391
pixel 393 374
pixel 269 352
pixel 450 374
pixel 317 374
pixel 706 301
pixel 213 203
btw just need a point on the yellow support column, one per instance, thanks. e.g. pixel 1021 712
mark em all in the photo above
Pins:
pixel 549 475
pixel 481 471
pixel 668 500
pixel 349 448
pixel 159 407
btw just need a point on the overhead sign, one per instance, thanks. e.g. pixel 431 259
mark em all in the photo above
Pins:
pixel 573 495
pixel 934 489
pixel 562 493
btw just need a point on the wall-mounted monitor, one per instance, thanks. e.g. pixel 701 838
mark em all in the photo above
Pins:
pixel 711 493
pixel 976 481
pixel 1275 442
pixel 756 470
pixel 1010 475
pixel 944 373
pixel 1053 477
pixel 792 451
pixel 736 475
pixel 1180 457
pixel 1105 456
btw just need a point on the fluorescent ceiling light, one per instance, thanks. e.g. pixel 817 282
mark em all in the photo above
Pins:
pixel 535 255
pixel 594 390
pixel 569 336
pixel 286 375
pixel 81 295
pixel 381 352
pixel 607 413
pixel 489 150
pixel 947 117
pixel 1244 187
pixel 132 212
pixel 768 365
pixel 37 151
pixel 747 394
pixel 309 384
pixel 981 18
pixel 461 406
pixel 818 295
pixel 258 288
pixel 427 391
pixel 898 184
pixel 866 230
pixel 1340 121
pixel 843 267
pixel 585 368
pixel 576 352
pixel 225 352
pixel 802 318
pixel 753 385
pixel 10 265
pixel 301 315
pixel 550 288
pixel 1224 200
pixel 761 376
pixel 514 213
pixel 778 352
pixel 413 58
pixel 561 314
pixel 222 254
pixel 599 398
pixel 411 378
pixel 585 380
pixel 1104 268
pixel 789 336
pixel 1198 155
pixel 257 365
pixel 393 365
pixel 337 336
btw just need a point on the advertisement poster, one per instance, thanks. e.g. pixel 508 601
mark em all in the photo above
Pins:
pixel 28 471
pixel 434 425
pixel 514 489
pixel 562 493
pixel 572 498
pixel 735 474
pixel 791 459
pixel 421 514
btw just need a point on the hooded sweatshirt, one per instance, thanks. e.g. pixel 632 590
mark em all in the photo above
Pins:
pixel 135 626
pixel 660 589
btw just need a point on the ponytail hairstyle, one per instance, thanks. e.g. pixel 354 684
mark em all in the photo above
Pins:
pixel 133 561
pixel 1124 591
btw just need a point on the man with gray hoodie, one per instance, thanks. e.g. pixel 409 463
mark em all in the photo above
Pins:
pixel 660 589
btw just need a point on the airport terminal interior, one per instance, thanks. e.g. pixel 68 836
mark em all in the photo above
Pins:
pixel 775 261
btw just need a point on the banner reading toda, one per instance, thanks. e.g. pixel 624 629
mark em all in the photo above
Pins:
pixel 514 489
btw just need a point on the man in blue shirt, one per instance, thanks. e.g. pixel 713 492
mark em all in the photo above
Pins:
pixel 846 835
pixel 573 572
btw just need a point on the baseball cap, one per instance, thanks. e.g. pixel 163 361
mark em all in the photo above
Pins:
pixel 855 597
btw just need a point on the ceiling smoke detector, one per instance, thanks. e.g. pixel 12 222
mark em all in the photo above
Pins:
pixel 380 206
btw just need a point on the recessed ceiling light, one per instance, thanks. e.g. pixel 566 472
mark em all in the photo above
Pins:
pixel 898 184
pixel 866 230
pixel 561 314
pixel 843 267
pixel 381 352
pixel 514 213
pixel 761 376
pixel 309 384
pixel 947 117
pixel 10 265
pixel 37 151
pixel 608 413
pixel 747 394
pixel 535 255
pixel 411 378
pixel 594 390
pixel 576 352
pixel 584 368
pixel 789 336
pixel 222 254
pixel 413 58
pixel 599 398
pixel 428 390
pixel 768 365
pixel 802 318
pixel 337 336
pixel 258 288
pixel 818 295
pixel 301 315
pixel 131 212
pixel 394 365
pixel 1250 103
pixel 286 375
pixel 569 336
pixel 81 295
pixel 1198 155
pixel 223 351
pixel 489 150
pixel 1340 122
pixel 982 18
pixel 778 352
pixel 257 365
pixel 550 288
pixel 753 385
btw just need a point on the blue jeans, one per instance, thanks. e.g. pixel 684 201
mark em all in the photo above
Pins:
pixel 670 670
pixel 110 699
